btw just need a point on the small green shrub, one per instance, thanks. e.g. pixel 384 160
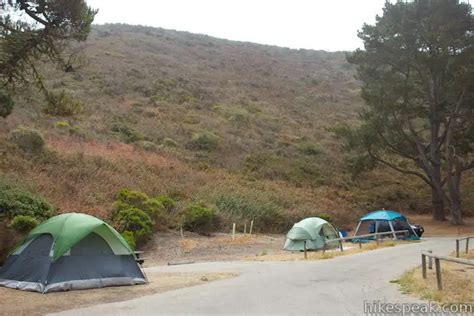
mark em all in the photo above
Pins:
pixel 135 221
pixel 15 201
pixel 134 198
pixel 204 141
pixel 169 142
pixel 310 149
pixel 23 223
pixel 27 139
pixel 61 124
pixel 167 202
pixel 61 104
pixel 327 217
pixel 127 133
pixel 129 238
pixel 6 105
pixel 198 218
pixel 266 214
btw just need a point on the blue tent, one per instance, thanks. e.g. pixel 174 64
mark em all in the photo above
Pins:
pixel 385 221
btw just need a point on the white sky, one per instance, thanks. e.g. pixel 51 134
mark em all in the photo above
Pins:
pixel 313 24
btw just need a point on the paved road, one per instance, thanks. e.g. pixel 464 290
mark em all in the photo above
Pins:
pixel 338 286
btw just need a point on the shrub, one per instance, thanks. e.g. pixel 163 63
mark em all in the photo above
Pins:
pixel 129 238
pixel 127 133
pixel 169 142
pixel 134 198
pixel 266 214
pixel 204 141
pixel 23 223
pixel 198 218
pixel 27 139
pixel 167 202
pixel 61 104
pixel 15 201
pixel 6 105
pixel 61 124
pixel 135 221
pixel 327 217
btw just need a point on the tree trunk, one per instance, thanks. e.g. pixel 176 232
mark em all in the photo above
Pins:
pixel 438 204
pixel 454 182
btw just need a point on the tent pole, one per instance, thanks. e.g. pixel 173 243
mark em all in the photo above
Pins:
pixel 357 229
pixel 411 228
pixel 393 230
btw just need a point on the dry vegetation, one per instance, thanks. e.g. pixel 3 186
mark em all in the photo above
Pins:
pixel 203 119
pixel 21 303
pixel 458 283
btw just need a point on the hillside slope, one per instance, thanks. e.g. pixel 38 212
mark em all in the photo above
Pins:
pixel 203 119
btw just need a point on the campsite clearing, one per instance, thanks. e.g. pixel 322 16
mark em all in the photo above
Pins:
pixel 16 302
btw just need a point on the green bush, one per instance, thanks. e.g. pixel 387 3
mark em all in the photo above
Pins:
pixel 265 213
pixel 135 221
pixel 61 124
pixel 6 105
pixel 23 223
pixel 129 238
pixel 204 141
pixel 61 104
pixel 198 218
pixel 15 201
pixel 169 142
pixel 127 133
pixel 27 139
pixel 327 217
pixel 168 203
pixel 133 198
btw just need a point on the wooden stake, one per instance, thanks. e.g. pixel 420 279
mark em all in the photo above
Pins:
pixel 467 245
pixel 360 245
pixel 305 251
pixel 181 231
pixel 423 266
pixel 233 231
pixel 457 248
pixel 245 228
pixel 430 261
pixel 251 226
pixel 438 273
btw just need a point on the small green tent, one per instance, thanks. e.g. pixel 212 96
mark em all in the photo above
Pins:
pixel 315 231
pixel 68 252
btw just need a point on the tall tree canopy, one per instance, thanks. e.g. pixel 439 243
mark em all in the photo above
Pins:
pixel 34 30
pixel 417 71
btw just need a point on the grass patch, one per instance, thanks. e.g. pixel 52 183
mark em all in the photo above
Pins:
pixel 458 283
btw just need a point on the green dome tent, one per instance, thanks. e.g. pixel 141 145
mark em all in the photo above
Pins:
pixel 71 251
pixel 315 231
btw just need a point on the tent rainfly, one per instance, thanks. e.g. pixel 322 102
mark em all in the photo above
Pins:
pixel 384 221
pixel 315 231
pixel 69 252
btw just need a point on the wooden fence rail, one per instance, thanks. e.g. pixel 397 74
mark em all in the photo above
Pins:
pixel 376 235
pixel 438 259
pixel 458 242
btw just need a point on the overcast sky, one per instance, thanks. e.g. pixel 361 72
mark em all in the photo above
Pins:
pixel 313 24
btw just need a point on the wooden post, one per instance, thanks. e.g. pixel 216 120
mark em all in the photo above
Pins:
pixel 360 245
pixel 233 231
pixel 251 226
pixel 457 248
pixel 377 240
pixel 438 274
pixel 430 261
pixel 340 245
pixel 467 245
pixel 305 251
pixel 423 265
pixel 324 248
pixel 245 228
pixel 181 231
